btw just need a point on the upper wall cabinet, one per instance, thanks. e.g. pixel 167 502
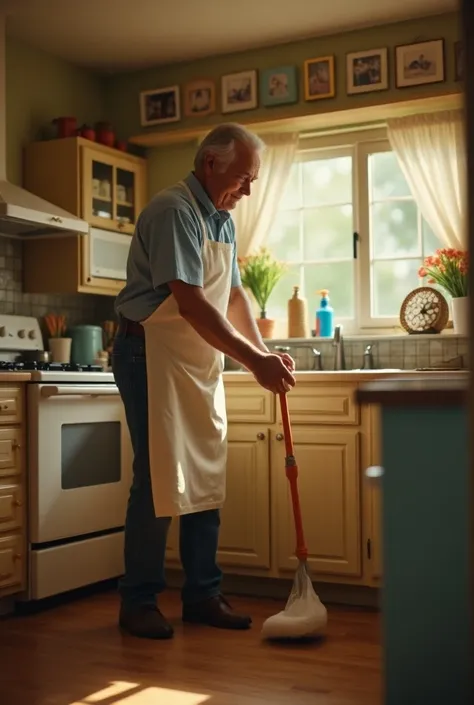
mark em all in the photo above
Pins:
pixel 105 187
pixel 99 184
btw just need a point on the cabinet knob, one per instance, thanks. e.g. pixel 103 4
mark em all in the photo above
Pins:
pixel 16 445
pixel 17 503
pixel 374 473
pixel 261 436
pixel 279 436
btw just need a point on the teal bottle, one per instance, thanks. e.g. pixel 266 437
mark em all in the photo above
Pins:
pixel 324 317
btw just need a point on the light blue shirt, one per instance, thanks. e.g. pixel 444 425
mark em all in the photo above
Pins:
pixel 167 245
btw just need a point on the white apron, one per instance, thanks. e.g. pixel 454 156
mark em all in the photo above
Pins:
pixel 187 420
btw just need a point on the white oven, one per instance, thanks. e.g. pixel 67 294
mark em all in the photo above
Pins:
pixel 79 468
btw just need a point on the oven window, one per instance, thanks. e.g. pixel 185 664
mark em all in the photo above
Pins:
pixel 90 454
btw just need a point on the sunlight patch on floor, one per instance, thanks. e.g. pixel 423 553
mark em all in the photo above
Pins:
pixel 119 693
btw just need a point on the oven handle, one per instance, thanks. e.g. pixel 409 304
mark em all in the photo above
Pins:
pixel 79 390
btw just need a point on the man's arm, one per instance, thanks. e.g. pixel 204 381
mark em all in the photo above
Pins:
pixel 269 370
pixel 175 260
pixel 241 316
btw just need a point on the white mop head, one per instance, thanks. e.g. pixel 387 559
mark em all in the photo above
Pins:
pixel 304 614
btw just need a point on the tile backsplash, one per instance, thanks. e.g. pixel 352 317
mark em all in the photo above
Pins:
pixel 78 308
pixel 401 352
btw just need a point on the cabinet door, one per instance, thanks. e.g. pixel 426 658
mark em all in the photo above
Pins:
pixel 245 517
pixel 329 489
pixel 375 495
pixel 244 538
pixel 112 191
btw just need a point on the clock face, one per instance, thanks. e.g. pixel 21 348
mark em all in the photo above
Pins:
pixel 424 309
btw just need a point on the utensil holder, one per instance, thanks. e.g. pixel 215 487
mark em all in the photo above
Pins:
pixel 60 349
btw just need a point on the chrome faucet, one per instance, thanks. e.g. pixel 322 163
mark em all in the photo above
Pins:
pixel 368 361
pixel 317 360
pixel 338 344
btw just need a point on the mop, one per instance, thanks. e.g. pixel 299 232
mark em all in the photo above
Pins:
pixel 304 614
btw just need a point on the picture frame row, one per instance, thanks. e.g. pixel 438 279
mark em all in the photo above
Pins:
pixel 366 72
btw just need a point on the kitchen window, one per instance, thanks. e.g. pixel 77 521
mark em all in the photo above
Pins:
pixel 341 185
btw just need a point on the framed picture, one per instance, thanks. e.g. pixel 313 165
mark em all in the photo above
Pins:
pixel 159 106
pixel 367 71
pixel 419 64
pixel 199 98
pixel 278 86
pixel 239 91
pixel 319 78
pixel 458 61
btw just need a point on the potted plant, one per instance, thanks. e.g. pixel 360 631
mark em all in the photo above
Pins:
pixel 260 273
pixel 449 269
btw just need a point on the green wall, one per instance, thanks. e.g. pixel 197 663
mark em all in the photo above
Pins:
pixel 168 164
pixel 40 87
pixel 123 89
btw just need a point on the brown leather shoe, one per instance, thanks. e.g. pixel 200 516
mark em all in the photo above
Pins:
pixel 145 621
pixel 215 612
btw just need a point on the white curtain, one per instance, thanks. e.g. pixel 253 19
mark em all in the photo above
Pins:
pixel 431 151
pixel 254 216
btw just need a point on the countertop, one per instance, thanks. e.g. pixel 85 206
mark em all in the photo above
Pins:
pixel 15 377
pixel 416 391
pixel 357 376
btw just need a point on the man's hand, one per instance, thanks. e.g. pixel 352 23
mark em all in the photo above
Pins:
pixel 287 361
pixel 272 373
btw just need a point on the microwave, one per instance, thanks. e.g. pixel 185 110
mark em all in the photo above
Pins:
pixel 108 254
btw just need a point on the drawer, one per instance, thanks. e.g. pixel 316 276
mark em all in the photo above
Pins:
pixel 11 507
pixel 10 445
pixel 318 404
pixel 248 403
pixel 12 562
pixel 11 405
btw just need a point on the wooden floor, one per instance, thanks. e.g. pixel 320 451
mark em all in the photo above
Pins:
pixel 74 655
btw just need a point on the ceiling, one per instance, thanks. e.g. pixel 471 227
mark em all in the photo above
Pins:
pixel 118 35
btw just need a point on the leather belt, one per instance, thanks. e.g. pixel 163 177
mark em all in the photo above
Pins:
pixel 128 327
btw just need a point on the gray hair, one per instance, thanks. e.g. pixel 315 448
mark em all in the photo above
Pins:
pixel 220 143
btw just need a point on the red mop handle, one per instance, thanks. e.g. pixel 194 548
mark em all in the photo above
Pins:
pixel 292 475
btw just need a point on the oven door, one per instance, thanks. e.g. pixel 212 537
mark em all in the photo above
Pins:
pixel 80 460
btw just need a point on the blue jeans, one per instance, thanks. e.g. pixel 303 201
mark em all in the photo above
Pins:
pixel 146 534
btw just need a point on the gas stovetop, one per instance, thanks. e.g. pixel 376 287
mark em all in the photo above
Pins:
pixel 20 337
pixel 30 366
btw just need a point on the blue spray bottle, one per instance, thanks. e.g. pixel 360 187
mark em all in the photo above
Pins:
pixel 324 317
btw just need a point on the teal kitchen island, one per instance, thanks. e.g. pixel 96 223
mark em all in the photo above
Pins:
pixel 427 594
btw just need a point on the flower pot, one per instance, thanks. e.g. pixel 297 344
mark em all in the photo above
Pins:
pixel 60 349
pixel 266 326
pixel 460 309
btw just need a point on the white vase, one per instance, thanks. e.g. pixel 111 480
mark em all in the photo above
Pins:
pixel 60 349
pixel 460 309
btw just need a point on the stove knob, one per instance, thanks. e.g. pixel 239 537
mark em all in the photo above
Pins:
pixel 3 331
pixel 21 333
pixel 32 334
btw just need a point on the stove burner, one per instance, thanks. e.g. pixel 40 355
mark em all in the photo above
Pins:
pixel 31 365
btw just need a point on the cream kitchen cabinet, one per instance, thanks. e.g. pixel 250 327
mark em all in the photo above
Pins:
pixel 245 518
pixel 374 499
pixel 329 488
pixel 12 491
pixel 335 440
pixel 104 186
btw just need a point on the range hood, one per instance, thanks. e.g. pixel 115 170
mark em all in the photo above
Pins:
pixel 22 214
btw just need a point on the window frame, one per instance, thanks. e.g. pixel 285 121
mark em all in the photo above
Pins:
pixel 360 143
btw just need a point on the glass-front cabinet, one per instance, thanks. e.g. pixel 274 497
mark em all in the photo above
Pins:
pixel 104 186
pixel 112 191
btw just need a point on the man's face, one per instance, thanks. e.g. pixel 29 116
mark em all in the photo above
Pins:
pixel 228 187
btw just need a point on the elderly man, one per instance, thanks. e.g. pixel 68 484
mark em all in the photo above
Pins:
pixel 182 308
